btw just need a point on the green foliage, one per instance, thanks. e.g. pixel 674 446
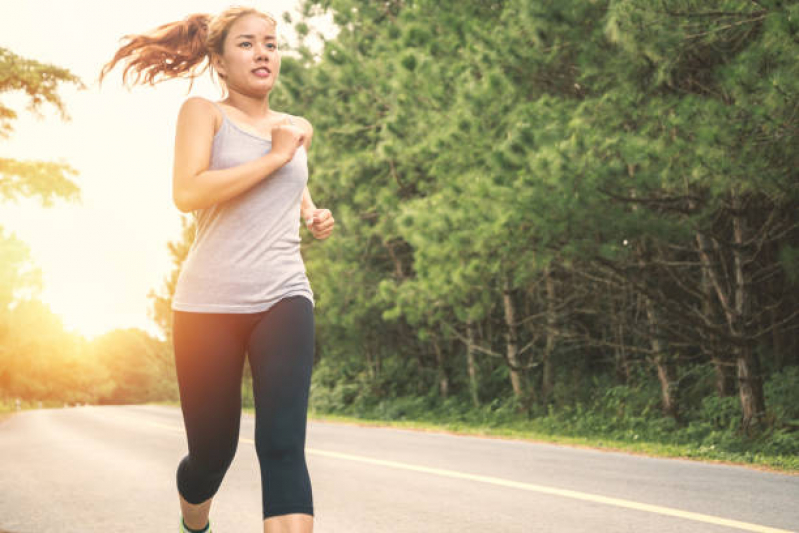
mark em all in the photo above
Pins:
pixel 40 83
pixel 39 361
pixel 721 413
pixel 590 142
pixel 782 395
pixel 621 415
pixel 18 275
pixel 43 179
pixel 549 168
pixel 140 368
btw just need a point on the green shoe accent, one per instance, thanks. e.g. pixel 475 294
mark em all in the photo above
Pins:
pixel 183 529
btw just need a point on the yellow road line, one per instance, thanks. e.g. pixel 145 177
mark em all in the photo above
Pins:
pixel 657 509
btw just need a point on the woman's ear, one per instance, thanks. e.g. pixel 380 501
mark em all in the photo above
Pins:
pixel 218 64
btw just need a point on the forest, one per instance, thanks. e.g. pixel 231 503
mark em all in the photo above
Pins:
pixel 576 216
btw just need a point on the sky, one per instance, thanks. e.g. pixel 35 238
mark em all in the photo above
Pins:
pixel 100 257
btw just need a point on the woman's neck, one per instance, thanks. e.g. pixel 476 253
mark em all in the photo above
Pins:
pixel 255 107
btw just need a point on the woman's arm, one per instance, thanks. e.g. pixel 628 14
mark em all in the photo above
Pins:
pixel 196 187
pixel 307 206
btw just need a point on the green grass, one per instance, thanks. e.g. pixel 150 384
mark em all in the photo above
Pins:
pixel 774 463
pixel 778 463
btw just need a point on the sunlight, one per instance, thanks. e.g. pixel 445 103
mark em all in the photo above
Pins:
pixel 96 277
pixel 87 320
pixel 100 257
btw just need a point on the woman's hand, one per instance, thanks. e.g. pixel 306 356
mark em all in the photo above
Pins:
pixel 286 138
pixel 320 223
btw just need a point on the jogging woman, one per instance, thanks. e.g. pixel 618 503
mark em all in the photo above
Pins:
pixel 240 168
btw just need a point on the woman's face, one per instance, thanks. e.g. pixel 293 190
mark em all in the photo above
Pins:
pixel 250 63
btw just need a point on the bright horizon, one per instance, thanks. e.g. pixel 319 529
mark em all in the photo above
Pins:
pixel 100 257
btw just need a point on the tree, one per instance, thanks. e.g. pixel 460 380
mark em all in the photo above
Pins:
pixel 21 281
pixel 40 82
pixel 601 192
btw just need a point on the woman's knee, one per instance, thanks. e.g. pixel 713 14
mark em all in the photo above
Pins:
pixel 280 446
pixel 197 481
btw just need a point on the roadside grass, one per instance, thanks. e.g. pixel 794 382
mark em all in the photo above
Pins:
pixel 527 431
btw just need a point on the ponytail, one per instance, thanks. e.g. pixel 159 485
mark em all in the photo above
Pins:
pixel 172 50
pixel 177 49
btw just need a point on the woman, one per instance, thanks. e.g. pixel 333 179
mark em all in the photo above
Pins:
pixel 241 168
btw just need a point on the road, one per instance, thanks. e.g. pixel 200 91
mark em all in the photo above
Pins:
pixel 112 468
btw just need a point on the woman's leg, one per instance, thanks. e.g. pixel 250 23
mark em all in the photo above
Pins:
pixel 209 358
pixel 281 351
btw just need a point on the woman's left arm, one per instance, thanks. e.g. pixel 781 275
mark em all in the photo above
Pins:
pixel 319 222
pixel 307 206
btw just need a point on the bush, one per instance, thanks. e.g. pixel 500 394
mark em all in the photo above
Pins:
pixel 721 413
pixel 782 396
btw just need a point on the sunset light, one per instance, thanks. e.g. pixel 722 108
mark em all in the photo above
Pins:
pixel 102 255
pixel 399 266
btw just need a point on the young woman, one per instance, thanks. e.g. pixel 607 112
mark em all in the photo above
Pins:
pixel 241 168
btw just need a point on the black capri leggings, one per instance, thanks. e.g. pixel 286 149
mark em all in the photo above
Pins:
pixel 209 358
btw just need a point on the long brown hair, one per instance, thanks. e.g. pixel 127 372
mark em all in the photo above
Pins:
pixel 180 49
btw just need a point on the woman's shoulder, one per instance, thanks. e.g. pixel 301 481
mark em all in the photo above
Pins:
pixel 305 124
pixel 199 102
pixel 301 121
pixel 200 105
pixel 202 109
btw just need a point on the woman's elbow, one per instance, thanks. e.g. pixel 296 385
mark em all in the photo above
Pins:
pixel 182 201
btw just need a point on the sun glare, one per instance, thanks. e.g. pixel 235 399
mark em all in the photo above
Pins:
pixel 101 257
pixel 87 321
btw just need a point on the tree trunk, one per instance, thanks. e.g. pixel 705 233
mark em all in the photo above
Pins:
pixel 777 339
pixel 723 365
pixel 443 379
pixel 548 380
pixel 750 381
pixel 370 367
pixel 665 364
pixel 512 341
pixel 664 361
pixel 470 364
pixel 750 385
pixel 621 359
pixel 733 295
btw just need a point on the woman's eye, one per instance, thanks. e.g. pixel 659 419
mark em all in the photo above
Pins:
pixel 270 46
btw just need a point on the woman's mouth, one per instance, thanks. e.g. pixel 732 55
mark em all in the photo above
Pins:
pixel 261 72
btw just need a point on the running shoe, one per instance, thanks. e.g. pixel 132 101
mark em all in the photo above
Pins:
pixel 184 530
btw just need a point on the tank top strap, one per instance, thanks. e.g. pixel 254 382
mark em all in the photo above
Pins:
pixel 225 117
pixel 219 107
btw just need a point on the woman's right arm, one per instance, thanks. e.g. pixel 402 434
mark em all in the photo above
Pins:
pixel 196 187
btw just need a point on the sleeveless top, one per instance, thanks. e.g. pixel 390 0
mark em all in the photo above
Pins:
pixel 245 256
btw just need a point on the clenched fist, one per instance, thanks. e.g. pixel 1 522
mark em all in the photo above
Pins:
pixel 286 138
pixel 320 223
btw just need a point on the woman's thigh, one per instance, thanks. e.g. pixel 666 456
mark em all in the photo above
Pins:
pixel 281 353
pixel 209 357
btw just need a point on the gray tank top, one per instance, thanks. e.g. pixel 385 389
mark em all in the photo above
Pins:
pixel 245 256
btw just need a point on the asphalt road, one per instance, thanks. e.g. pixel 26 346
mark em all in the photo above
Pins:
pixel 110 469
